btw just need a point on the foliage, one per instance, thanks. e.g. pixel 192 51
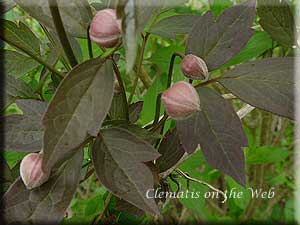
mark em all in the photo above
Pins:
pixel 96 114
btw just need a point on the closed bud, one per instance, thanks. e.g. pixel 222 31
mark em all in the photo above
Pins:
pixel 105 28
pixel 194 68
pixel 181 100
pixel 31 170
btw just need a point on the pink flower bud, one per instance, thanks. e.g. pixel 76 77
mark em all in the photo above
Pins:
pixel 194 68
pixel 31 170
pixel 105 29
pixel 181 100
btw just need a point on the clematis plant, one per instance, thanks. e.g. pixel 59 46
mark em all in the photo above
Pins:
pixel 130 96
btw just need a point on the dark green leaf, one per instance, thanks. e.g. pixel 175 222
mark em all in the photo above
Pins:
pixel 277 19
pixel 76 14
pixel 46 204
pixel 118 159
pixel 78 108
pixel 171 151
pixel 21 35
pixel 257 45
pixel 116 111
pixel 16 88
pixel 16 64
pixel 24 133
pixel 141 132
pixel 6 175
pixel 128 208
pixel 267 84
pixel 134 111
pixel 219 131
pixel 217 42
pixel 170 26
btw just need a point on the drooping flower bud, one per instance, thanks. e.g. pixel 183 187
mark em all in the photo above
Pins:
pixel 194 68
pixel 181 100
pixel 31 170
pixel 105 28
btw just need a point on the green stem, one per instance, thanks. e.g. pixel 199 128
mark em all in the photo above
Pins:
pixel 160 123
pixel 209 82
pixel 90 47
pixel 109 52
pixel 135 83
pixel 157 110
pixel 60 30
pixel 170 75
pixel 36 58
pixel 121 84
pixel 139 66
pixel 52 42
pixel 106 205
pixel 171 66
pixel 44 76
pixel 144 77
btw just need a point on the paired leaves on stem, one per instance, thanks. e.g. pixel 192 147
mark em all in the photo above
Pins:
pixel 119 157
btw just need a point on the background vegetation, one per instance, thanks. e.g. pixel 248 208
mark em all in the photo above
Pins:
pixel 269 157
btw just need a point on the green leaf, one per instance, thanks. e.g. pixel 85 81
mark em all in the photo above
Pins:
pixel 76 14
pixel 12 158
pixel 24 133
pixel 157 87
pixel 219 132
pixel 233 191
pixel 196 167
pixel 89 207
pixel 267 84
pixel 170 26
pixel 118 158
pixel 47 203
pixel 217 42
pixel 78 108
pixel 219 6
pixel 257 45
pixel 16 64
pixel 277 19
pixel 171 151
pixel 21 35
pixel 267 154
